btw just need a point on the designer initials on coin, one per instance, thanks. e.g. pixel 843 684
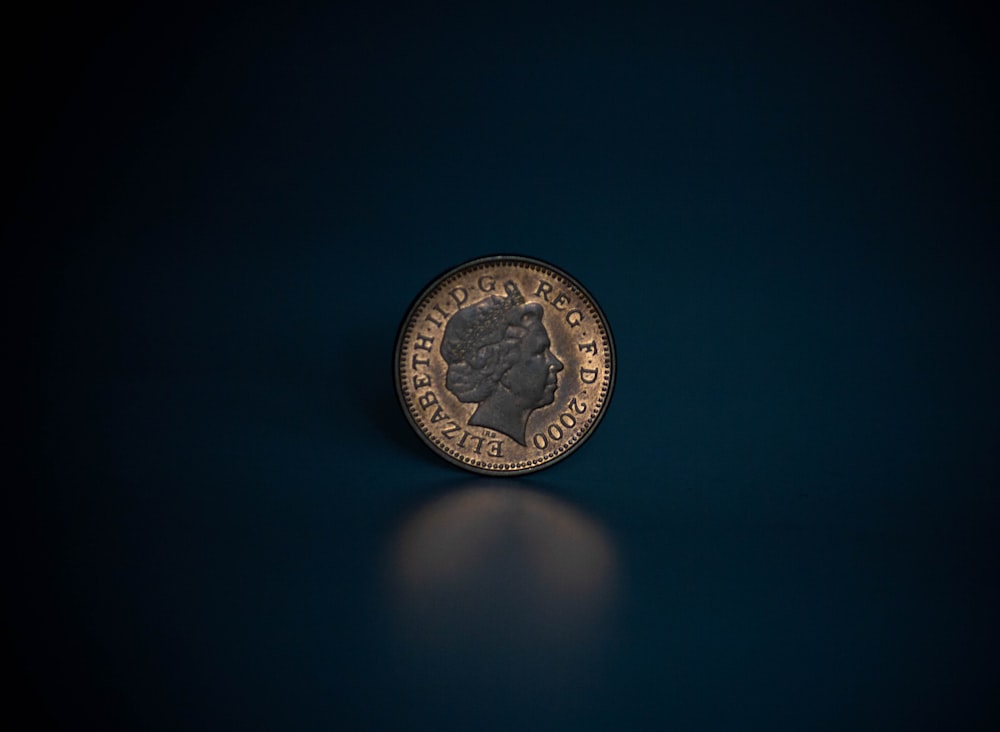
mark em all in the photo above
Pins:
pixel 504 365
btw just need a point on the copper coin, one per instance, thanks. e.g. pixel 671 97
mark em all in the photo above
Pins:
pixel 504 365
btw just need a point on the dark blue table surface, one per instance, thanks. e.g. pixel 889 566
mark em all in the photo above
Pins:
pixel 788 518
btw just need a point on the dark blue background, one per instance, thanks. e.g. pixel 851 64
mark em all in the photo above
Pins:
pixel 788 213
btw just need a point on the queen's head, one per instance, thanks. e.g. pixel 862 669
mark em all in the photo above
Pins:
pixel 499 357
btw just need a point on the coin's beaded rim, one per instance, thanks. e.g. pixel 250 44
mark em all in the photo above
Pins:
pixel 522 466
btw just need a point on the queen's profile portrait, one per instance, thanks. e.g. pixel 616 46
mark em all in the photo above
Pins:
pixel 498 355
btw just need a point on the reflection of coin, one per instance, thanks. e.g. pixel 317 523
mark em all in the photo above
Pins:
pixel 504 365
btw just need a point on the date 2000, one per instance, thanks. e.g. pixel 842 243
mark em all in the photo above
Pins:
pixel 556 430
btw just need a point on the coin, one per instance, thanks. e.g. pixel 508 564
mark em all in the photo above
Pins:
pixel 504 365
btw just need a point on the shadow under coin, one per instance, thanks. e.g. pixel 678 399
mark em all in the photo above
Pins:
pixel 504 585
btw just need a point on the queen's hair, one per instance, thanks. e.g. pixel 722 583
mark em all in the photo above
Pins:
pixel 481 342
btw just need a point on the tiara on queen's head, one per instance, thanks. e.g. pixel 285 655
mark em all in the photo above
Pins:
pixel 514 296
pixel 490 314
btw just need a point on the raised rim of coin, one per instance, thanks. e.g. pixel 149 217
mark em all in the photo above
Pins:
pixel 485 467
